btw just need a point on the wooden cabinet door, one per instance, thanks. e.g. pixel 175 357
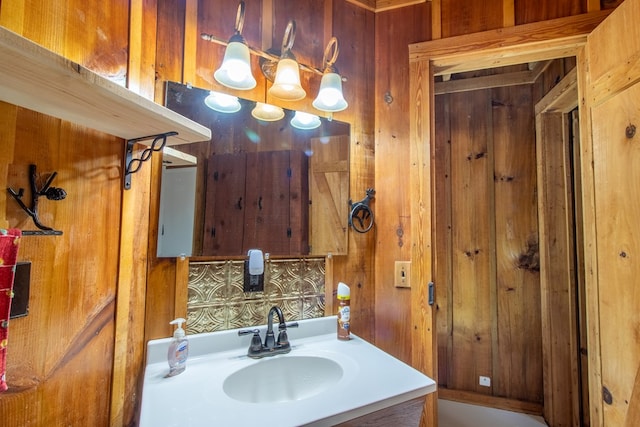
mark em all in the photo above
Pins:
pixel 267 189
pixel 225 205
pixel 257 200
pixel 612 64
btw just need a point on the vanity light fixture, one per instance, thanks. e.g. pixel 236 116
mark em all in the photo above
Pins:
pixel 267 112
pixel 286 84
pixel 330 97
pixel 235 71
pixel 281 68
pixel 222 102
pixel 305 121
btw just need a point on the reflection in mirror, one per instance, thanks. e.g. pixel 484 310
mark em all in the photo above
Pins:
pixel 265 184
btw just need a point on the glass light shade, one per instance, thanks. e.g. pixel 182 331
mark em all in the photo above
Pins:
pixel 267 112
pixel 305 121
pixel 286 84
pixel 235 71
pixel 330 96
pixel 222 102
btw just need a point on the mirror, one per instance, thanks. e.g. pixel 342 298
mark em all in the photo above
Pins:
pixel 264 184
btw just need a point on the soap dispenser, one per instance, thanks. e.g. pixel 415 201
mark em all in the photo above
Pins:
pixel 178 349
pixel 254 271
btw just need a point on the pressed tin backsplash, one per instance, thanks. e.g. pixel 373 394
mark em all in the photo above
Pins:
pixel 217 301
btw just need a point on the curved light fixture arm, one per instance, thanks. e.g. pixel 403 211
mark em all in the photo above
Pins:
pixel 239 18
pixel 331 55
pixel 288 39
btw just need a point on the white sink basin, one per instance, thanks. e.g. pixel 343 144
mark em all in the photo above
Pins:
pixel 322 382
pixel 282 379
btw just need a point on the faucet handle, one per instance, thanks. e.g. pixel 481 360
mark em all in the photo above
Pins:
pixel 283 338
pixel 256 342
pixel 284 326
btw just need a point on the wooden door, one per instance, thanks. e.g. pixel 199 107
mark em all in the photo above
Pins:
pixel 611 60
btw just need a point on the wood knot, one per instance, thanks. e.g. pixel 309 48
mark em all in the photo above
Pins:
pixel 630 131
pixel 530 259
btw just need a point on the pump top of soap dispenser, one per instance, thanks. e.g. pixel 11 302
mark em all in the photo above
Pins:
pixel 179 332
pixel 344 292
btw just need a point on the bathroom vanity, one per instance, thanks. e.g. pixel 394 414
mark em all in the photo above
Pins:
pixel 322 381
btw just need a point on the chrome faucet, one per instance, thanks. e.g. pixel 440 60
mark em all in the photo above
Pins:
pixel 271 346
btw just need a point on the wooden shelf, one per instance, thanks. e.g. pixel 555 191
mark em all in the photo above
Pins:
pixel 38 79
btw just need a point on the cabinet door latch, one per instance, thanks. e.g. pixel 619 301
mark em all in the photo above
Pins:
pixel 431 296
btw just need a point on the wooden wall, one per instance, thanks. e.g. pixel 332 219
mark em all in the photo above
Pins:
pixel 60 356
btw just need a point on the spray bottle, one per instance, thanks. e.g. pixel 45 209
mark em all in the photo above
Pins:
pixel 344 311
pixel 178 349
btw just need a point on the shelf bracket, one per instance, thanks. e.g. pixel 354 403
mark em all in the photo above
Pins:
pixel 51 193
pixel 133 165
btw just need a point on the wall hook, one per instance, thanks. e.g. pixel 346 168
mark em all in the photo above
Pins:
pixel 51 193
pixel 361 215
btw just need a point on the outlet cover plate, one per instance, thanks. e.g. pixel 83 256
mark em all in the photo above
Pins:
pixel 485 381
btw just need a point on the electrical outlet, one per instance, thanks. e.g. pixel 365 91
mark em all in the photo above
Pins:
pixel 403 274
pixel 485 381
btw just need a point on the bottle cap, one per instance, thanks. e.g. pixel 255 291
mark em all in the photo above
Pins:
pixel 179 332
pixel 344 293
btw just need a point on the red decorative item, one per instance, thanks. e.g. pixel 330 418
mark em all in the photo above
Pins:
pixel 9 242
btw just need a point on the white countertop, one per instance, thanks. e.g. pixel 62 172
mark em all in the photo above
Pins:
pixel 372 380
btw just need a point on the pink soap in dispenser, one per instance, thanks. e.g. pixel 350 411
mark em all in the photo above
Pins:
pixel 178 349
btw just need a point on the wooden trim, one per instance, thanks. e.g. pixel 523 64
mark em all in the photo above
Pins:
pixel 267 24
pixel 589 237
pixel 136 12
pixel 423 357
pixel 132 269
pixel 508 13
pixel 182 288
pixel 551 39
pixel 562 98
pixel 329 286
pixel 383 5
pixel 593 5
pixel 436 20
pixel 557 272
pixel 191 37
pixel 485 82
pixel 491 401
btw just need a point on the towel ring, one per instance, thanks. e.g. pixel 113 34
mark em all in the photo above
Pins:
pixel 361 217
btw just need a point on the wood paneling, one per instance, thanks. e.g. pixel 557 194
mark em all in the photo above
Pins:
pixel 536 10
pixel 60 356
pixel 517 345
pixel 392 182
pixel 69 332
pixel 464 17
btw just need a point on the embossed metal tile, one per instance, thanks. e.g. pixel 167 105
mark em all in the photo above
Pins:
pixel 217 301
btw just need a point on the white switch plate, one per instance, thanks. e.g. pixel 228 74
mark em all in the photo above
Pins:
pixel 485 381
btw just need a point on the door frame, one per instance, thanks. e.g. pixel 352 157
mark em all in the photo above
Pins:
pixel 558 38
